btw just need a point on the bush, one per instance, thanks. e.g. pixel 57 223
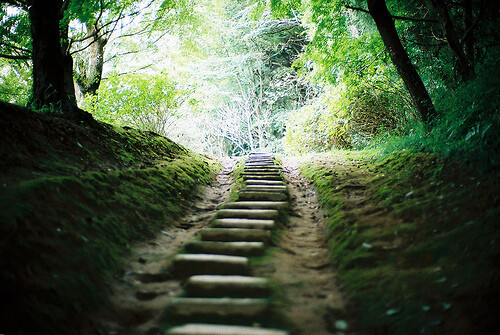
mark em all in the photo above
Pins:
pixel 143 101
pixel 318 126
pixel 344 119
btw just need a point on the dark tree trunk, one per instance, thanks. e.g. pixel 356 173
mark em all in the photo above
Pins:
pixel 385 25
pixel 48 60
pixel 465 66
pixel 52 69
pixel 469 31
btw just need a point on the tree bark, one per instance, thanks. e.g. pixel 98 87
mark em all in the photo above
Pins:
pixel 48 60
pixel 469 31
pixel 385 25
pixel 89 77
pixel 466 68
pixel 52 68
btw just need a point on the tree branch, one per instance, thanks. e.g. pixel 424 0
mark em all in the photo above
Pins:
pixel 15 47
pixel 15 57
pixel 397 17
pixel 472 27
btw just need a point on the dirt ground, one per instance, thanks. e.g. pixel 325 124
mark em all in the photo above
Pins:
pixel 311 293
pixel 313 296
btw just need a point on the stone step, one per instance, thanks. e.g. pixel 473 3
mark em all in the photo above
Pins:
pixel 262 170
pixel 226 248
pixel 256 205
pixel 262 173
pixel 235 235
pixel 185 265
pixel 253 154
pixel 261 195
pixel 260 159
pixel 244 223
pixel 260 164
pixel 267 168
pixel 262 177
pixel 266 214
pixel 208 329
pixel 263 182
pixel 266 176
pixel 272 188
pixel 217 307
pixel 227 286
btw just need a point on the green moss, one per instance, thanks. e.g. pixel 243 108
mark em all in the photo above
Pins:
pixel 71 214
pixel 433 248
pixel 238 181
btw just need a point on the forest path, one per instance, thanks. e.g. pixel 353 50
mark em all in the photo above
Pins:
pixel 309 294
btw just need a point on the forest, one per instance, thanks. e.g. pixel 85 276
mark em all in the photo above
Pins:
pixel 128 121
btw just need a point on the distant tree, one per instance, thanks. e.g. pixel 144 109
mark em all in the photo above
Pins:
pixel 50 48
pixel 385 25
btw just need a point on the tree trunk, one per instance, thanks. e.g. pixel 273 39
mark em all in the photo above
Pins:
pixel 69 84
pixel 48 60
pixel 469 31
pixel 52 70
pixel 466 68
pixel 385 25
pixel 89 77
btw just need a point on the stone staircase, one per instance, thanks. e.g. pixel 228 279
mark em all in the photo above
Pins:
pixel 220 295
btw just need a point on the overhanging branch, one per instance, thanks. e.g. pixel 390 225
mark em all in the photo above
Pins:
pixel 396 17
pixel 15 57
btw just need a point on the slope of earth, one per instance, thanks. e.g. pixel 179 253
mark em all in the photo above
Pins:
pixel 415 240
pixel 74 196
pixel 143 288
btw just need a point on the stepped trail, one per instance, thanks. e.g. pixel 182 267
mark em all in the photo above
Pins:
pixel 242 268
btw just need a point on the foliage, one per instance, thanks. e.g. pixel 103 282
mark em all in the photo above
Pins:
pixel 321 125
pixel 14 28
pixel 344 118
pixel 15 82
pixel 466 129
pixel 147 102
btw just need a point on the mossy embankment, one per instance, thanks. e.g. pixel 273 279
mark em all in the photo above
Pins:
pixel 74 197
pixel 415 239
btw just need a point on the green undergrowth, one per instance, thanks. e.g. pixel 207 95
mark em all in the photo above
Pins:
pixel 74 197
pixel 415 239
pixel 238 181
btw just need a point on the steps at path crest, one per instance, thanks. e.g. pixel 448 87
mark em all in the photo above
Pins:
pixel 235 235
pixel 256 205
pixel 244 223
pixel 266 214
pixel 218 307
pixel 227 286
pixel 245 249
pixel 219 289
pixel 208 329
pixel 186 265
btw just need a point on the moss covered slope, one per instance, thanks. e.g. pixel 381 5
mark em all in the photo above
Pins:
pixel 73 198
pixel 415 238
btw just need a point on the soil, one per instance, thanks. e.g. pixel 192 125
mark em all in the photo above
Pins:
pixel 313 299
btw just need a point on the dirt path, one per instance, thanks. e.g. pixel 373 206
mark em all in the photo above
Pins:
pixel 311 294
pixel 301 264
